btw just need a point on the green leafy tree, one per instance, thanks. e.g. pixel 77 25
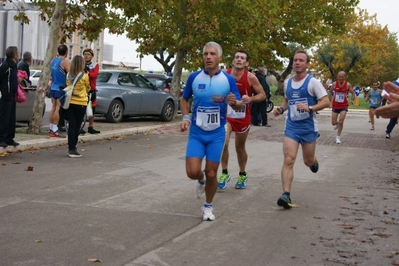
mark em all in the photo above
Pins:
pixel 362 53
pixel 174 31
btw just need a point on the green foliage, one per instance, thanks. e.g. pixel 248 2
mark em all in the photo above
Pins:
pixel 366 53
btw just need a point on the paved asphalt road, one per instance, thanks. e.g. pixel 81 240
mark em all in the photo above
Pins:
pixel 127 201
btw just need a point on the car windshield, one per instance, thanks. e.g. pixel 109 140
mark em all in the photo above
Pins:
pixel 156 82
pixel 104 77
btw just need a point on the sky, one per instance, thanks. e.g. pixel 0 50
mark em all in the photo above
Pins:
pixel 125 50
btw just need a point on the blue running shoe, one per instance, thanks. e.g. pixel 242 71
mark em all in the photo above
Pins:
pixel 223 179
pixel 285 202
pixel 315 167
pixel 242 181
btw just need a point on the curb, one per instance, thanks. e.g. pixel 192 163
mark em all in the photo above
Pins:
pixel 47 142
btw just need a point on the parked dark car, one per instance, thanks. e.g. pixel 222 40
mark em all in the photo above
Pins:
pixel 163 82
pixel 128 94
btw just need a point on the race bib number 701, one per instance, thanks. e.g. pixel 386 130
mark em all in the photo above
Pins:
pixel 208 118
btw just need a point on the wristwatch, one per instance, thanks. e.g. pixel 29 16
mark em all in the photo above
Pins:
pixel 310 109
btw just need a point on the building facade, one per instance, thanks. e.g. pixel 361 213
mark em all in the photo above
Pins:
pixel 34 37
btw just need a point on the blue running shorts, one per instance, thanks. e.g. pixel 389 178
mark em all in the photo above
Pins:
pixel 301 138
pixel 55 94
pixel 206 143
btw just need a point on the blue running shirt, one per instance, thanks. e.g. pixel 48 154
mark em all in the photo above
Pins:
pixel 299 121
pixel 58 74
pixel 210 98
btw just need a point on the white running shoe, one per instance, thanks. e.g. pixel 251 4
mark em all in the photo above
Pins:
pixel 200 188
pixel 337 140
pixel 208 214
pixel 335 126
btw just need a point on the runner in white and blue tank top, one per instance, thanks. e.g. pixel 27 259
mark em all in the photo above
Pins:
pixel 298 121
pixel 303 97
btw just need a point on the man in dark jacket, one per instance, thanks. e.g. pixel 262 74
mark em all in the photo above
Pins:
pixel 24 66
pixel 8 87
pixel 259 108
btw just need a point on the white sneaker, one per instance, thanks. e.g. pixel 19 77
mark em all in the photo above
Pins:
pixel 335 127
pixel 337 140
pixel 208 215
pixel 200 188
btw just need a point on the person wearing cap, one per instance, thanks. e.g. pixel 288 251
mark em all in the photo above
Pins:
pixel 92 70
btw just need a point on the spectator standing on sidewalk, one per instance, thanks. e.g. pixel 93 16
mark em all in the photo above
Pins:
pixel 375 99
pixel 92 70
pixel 24 66
pixel 8 88
pixel 213 90
pixel 77 107
pixel 303 96
pixel 258 109
pixel 239 121
pixel 59 67
pixel 340 103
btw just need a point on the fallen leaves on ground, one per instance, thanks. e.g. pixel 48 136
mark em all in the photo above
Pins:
pixel 94 260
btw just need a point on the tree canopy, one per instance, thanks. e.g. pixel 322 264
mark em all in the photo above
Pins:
pixel 367 52
pixel 174 31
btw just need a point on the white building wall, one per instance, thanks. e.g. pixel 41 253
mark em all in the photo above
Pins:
pixel 34 37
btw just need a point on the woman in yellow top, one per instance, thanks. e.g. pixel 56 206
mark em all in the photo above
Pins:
pixel 77 108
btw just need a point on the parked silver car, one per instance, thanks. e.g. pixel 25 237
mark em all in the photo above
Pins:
pixel 127 94
pixel 24 111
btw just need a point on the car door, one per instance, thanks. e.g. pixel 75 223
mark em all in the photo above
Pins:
pixel 152 98
pixel 131 94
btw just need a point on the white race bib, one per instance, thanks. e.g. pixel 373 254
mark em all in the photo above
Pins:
pixel 240 114
pixel 208 118
pixel 340 97
pixel 297 114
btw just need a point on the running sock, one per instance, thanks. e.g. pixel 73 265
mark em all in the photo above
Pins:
pixel 286 193
pixel 242 173
pixel 224 171
pixel 208 205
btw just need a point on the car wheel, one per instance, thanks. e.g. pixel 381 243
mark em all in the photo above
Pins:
pixel 115 112
pixel 270 106
pixel 168 111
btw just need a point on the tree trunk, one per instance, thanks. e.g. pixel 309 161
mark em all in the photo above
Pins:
pixel 177 72
pixel 281 78
pixel 35 124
